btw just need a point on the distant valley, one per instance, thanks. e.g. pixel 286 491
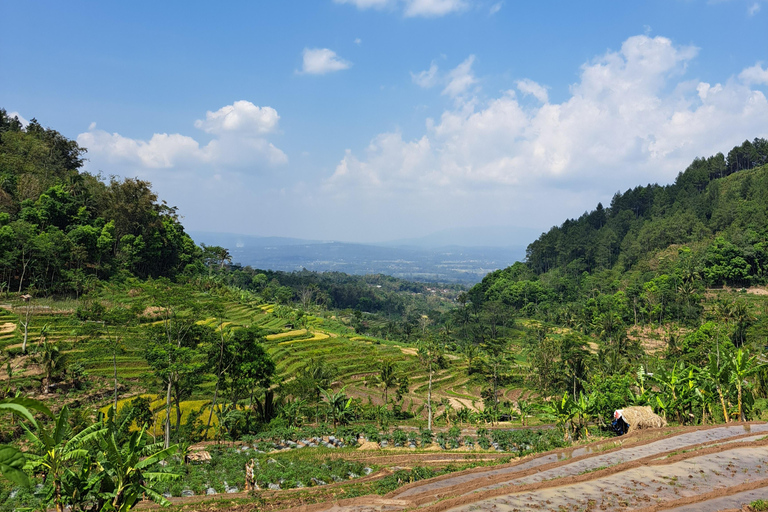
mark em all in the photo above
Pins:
pixel 414 259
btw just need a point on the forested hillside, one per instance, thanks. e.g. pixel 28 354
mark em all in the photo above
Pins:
pixel 61 228
pixel 659 245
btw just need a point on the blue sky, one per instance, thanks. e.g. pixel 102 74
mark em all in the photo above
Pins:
pixel 370 120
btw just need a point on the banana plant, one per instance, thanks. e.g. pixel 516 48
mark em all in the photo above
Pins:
pixel 742 366
pixel 339 405
pixel 584 408
pixel 526 408
pixel 54 452
pixel 126 470
pixel 717 376
pixel 563 412
pixel 12 461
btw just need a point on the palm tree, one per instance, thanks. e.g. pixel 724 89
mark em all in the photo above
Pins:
pixel 386 378
pixel 52 361
pixel 469 350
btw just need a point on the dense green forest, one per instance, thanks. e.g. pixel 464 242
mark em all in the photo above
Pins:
pixel 61 228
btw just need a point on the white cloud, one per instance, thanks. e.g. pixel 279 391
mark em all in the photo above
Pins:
pixel 241 116
pixel 461 78
pixel 631 118
pixel 413 8
pixel 755 75
pixel 22 120
pixel 358 41
pixel 427 78
pixel 239 142
pixel 366 4
pixel 496 8
pixel 319 61
pixel 433 8
pixel 538 91
pixel 753 9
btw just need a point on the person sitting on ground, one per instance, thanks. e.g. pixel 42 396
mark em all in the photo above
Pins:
pixel 620 426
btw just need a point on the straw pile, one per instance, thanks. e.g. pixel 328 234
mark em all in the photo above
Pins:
pixel 369 445
pixel 639 418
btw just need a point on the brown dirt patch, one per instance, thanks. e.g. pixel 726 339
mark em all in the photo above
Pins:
pixel 152 312
pixel 409 351
pixel 7 327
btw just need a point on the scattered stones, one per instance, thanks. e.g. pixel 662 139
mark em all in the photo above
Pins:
pixel 167 495
pixel 352 476
pixel 210 491
pixel 233 490
pixel 186 493
pixel 367 471
pixel 274 487
pixel 336 478
pixel 317 481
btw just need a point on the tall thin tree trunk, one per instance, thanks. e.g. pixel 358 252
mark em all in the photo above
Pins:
pixel 722 402
pixel 114 368
pixel 429 399
pixel 167 439
pixel 741 411
pixel 218 380
pixel 26 330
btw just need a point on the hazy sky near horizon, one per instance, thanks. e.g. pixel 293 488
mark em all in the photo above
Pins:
pixel 371 120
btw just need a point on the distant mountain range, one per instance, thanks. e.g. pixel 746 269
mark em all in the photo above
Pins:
pixel 432 258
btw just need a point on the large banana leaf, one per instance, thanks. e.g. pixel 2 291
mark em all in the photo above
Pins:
pixel 11 463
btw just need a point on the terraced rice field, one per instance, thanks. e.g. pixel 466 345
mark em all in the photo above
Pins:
pixel 354 357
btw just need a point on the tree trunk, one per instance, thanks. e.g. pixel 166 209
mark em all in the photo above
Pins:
pixel 429 399
pixel 57 496
pixel 167 437
pixel 218 379
pixel 722 402
pixel 114 368
pixel 741 412
pixel 26 330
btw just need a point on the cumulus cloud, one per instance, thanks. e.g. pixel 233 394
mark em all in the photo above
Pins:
pixel 238 141
pixel 241 116
pixel 461 78
pixel 495 8
pixel 631 118
pixel 412 8
pixel 319 61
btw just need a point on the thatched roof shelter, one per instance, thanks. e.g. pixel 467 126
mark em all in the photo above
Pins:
pixel 639 418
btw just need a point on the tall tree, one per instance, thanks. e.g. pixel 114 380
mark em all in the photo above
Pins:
pixel 430 352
